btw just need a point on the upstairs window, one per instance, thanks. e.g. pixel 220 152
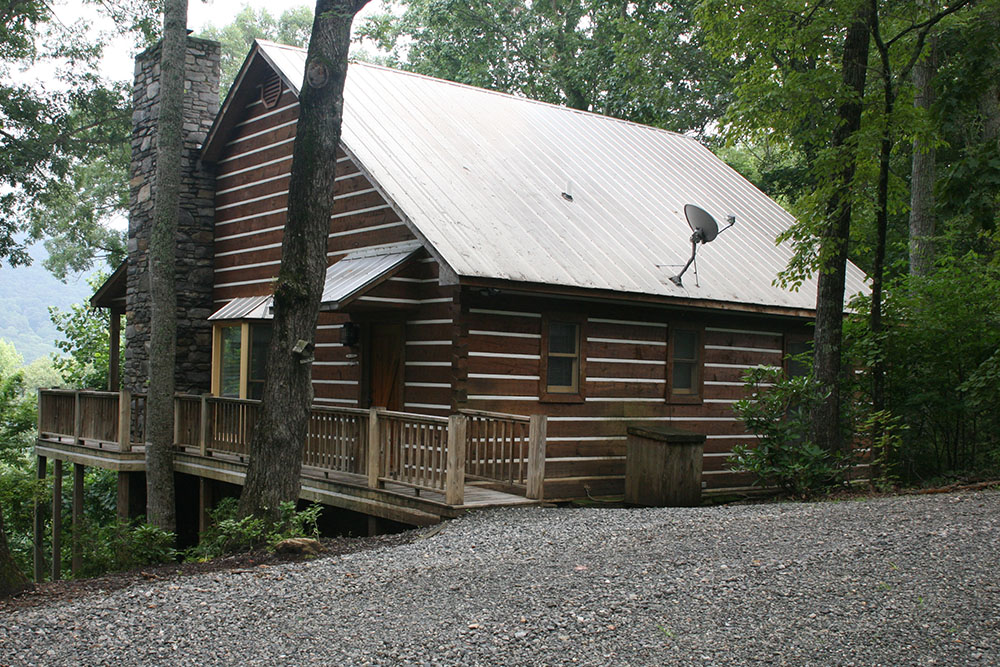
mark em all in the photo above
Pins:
pixel 684 374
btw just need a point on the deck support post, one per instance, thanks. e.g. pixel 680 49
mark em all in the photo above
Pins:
pixel 39 527
pixel 124 420
pixel 454 490
pixel 536 457
pixel 204 504
pixel 131 495
pixel 57 478
pixel 203 426
pixel 77 548
pixel 374 450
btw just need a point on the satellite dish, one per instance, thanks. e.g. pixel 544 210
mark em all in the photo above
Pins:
pixel 701 222
pixel 704 229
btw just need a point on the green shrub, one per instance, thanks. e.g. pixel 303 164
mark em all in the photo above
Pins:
pixel 941 352
pixel 229 534
pixel 777 411
pixel 123 545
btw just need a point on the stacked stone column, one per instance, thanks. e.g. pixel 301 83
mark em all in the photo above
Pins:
pixel 195 224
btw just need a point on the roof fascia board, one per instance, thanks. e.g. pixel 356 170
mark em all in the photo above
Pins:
pixel 105 296
pixel 238 93
pixel 631 298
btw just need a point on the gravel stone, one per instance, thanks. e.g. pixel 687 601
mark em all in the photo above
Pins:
pixel 911 580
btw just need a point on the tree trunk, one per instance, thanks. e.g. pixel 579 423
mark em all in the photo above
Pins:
pixel 12 580
pixel 279 435
pixel 160 509
pixel 923 173
pixel 826 421
pixel 881 213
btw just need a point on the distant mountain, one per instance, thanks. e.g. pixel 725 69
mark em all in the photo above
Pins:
pixel 26 292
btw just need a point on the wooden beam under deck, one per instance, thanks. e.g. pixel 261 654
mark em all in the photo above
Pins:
pixel 395 502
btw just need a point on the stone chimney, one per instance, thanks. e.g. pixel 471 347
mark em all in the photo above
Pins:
pixel 195 227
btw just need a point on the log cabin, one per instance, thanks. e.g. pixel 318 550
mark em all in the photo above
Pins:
pixel 487 254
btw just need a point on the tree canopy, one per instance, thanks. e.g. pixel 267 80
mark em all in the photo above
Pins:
pixel 292 28
pixel 641 61
pixel 64 143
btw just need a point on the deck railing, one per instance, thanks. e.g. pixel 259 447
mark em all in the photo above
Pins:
pixel 423 452
pixel 412 449
pixel 337 439
pixel 497 446
pixel 92 418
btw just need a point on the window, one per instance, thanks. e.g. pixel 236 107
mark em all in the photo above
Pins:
pixel 239 358
pixel 230 358
pixel 561 360
pixel 795 346
pixel 684 362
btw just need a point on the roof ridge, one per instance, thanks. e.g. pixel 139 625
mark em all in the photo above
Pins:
pixel 479 89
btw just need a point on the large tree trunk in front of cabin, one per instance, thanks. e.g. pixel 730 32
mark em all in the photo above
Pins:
pixel 12 580
pixel 826 420
pixel 923 172
pixel 279 434
pixel 160 508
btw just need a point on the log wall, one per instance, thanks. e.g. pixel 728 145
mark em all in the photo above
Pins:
pixel 251 205
pixel 625 369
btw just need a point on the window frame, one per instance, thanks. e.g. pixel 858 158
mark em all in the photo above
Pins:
pixel 788 340
pixel 697 393
pixel 246 341
pixel 571 394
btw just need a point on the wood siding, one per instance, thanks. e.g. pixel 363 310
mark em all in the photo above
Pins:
pixel 625 380
pixel 251 205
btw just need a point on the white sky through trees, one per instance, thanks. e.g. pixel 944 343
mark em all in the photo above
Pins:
pixel 118 59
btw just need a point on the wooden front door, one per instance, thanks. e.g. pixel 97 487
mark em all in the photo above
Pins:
pixel 385 365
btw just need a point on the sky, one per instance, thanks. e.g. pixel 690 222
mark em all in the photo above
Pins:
pixel 117 64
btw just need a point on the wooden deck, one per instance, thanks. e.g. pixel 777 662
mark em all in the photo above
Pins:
pixel 422 469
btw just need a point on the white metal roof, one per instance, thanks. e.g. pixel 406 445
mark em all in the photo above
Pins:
pixel 345 280
pixel 358 270
pixel 245 308
pixel 480 176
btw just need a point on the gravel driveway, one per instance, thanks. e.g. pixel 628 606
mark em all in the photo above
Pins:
pixel 896 581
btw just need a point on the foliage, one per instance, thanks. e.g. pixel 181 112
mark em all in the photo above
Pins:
pixel 642 61
pixel 940 347
pixel 85 344
pixel 777 411
pixel 293 27
pixel 53 135
pixel 884 434
pixel 123 545
pixel 229 534
pixel 17 408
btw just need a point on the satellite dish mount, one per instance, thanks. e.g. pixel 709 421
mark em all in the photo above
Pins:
pixel 704 229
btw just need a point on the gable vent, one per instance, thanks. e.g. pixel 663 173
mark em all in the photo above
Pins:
pixel 270 92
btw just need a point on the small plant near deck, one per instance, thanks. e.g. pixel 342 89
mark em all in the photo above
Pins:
pixel 124 545
pixel 777 410
pixel 229 534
